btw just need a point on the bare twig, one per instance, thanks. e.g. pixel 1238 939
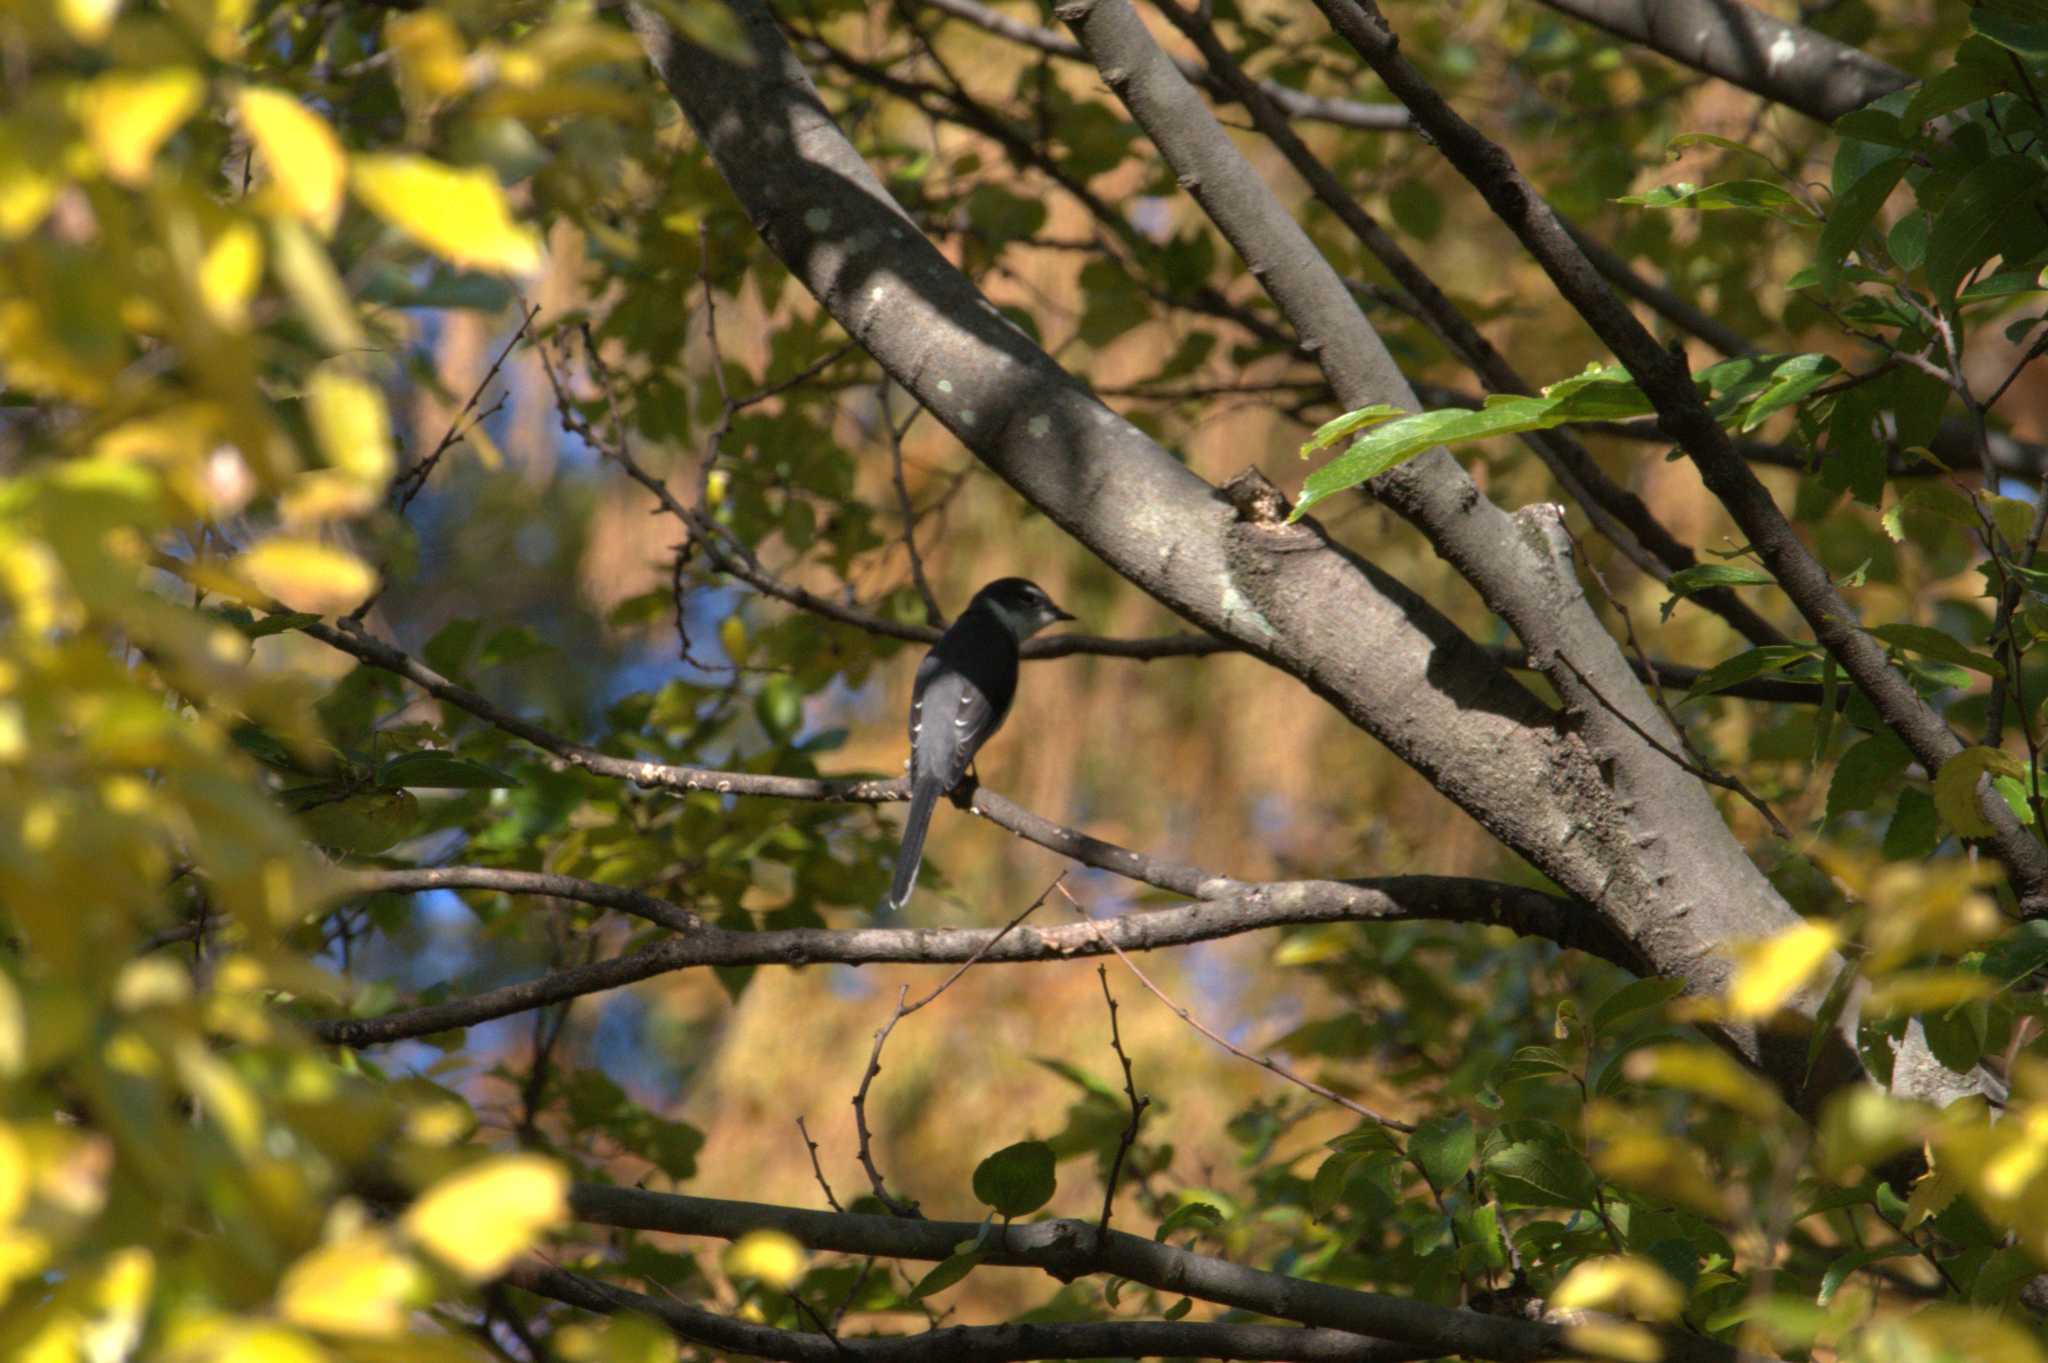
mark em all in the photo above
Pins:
pixel 408 484
pixel 933 616
pixel 904 1010
pixel 1263 1062
pixel 1138 1106
pixel 816 1168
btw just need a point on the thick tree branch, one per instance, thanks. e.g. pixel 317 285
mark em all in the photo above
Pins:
pixel 1315 108
pixel 969 1343
pixel 1228 909
pixel 1318 109
pixel 1616 511
pixel 1794 66
pixel 1672 879
pixel 1655 859
pixel 1684 416
pixel 1072 1249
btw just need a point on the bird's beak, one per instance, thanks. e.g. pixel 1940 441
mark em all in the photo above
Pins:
pixel 1059 614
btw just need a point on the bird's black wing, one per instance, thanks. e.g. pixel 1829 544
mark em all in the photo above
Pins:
pixel 962 695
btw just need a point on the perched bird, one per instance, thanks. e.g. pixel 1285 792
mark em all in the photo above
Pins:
pixel 961 697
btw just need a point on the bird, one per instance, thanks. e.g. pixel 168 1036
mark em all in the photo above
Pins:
pixel 961 696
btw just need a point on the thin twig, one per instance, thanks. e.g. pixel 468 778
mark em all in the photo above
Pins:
pixel 933 616
pixel 1263 1062
pixel 904 1010
pixel 1138 1106
pixel 816 1168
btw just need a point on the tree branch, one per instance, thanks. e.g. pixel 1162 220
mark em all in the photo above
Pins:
pixel 1683 415
pixel 1229 910
pixel 1794 66
pixel 1618 513
pixel 1295 103
pixel 1072 1249
pixel 970 1343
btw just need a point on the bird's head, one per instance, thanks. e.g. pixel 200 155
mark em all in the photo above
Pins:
pixel 1021 605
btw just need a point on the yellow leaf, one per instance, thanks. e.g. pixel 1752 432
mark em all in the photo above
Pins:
pixel 15 1175
pixel 351 424
pixel 13 1029
pixel 230 272
pixel 323 495
pixel 1634 1151
pixel 308 275
pixel 432 61
pixel 28 185
pixel 1924 991
pixel 1861 1126
pixel 479 1220
pixel 366 823
pixel 1614 1339
pixel 306 159
pixel 359 1285
pixel 127 117
pixel 87 20
pixel 1622 1285
pixel 223 1098
pixel 1932 1192
pixel 223 1341
pixel 2021 1157
pixel 118 1298
pixel 732 637
pixel 1974 1333
pixel 460 215
pixel 1773 970
pixel 308 576
pixel 1706 1071
pixel 769 1255
pixel 1955 787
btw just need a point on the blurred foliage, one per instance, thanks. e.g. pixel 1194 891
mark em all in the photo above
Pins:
pixel 256 260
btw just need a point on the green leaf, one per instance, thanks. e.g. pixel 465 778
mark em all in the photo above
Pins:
pixel 945 1273
pixel 1187 1216
pixel 1831 1010
pixel 1907 241
pixel 1853 212
pixel 1541 1173
pixel 1178 1309
pixel 1975 218
pixel 1946 91
pixel 1756 197
pixel 2014 33
pixel 1598 395
pixel 1838 1272
pixel 1796 377
pixel 1443 1147
pixel 1637 996
pixel 1864 768
pixel 1017 1179
pixel 1687 581
pixel 1955 787
pixel 1326 1190
pixel 428 770
pixel 1755 662
pixel 1915 829
pixel 1330 432
pixel 1937 644
pixel 1532 1062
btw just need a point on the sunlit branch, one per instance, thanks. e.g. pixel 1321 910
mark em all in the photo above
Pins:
pixel 1073 1249
pixel 1230 909
pixel 970 1343
pixel 1683 415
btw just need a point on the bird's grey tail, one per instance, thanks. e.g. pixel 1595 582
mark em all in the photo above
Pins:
pixel 923 798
